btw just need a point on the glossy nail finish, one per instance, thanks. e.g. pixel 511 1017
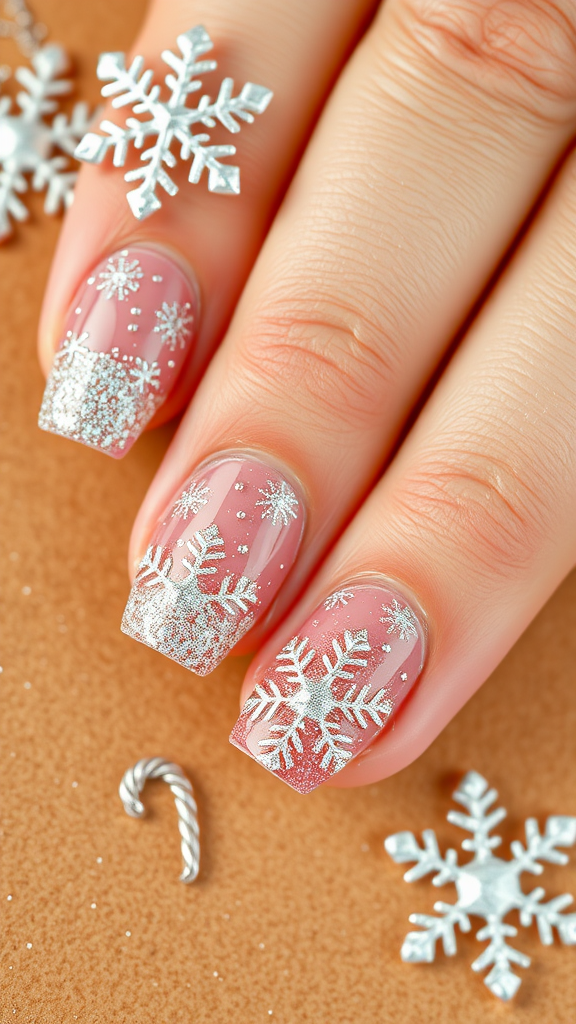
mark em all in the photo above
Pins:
pixel 334 686
pixel 126 337
pixel 216 561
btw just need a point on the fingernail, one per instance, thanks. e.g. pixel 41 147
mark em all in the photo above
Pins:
pixel 333 688
pixel 216 561
pixel 125 339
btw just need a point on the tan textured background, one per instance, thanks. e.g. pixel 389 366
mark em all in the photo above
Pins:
pixel 298 910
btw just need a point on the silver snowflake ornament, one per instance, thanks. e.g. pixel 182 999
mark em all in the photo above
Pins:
pixel 174 324
pixel 121 277
pixel 487 886
pixel 170 121
pixel 401 620
pixel 32 145
pixel 191 500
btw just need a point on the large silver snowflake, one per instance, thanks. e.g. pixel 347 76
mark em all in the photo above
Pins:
pixel 29 144
pixel 170 121
pixel 178 616
pixel 279 502
pixel 487 886
pixel 311 697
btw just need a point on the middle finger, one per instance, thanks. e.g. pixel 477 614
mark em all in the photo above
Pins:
pixel 432 150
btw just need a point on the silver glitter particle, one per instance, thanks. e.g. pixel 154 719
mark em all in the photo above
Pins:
pixel 132 327
pixel 403 676
pixel 157 278
pixel 239 487
pixel 240 515
pixel 91 280
pixel 386 648
pixel 135 311
pixel 78 310
pixel 243 549
pixel 171 364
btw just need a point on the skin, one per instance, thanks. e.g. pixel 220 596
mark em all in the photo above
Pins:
pixel 449 468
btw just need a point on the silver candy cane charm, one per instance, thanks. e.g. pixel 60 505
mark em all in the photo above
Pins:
pixel 170 121
pixel 133 783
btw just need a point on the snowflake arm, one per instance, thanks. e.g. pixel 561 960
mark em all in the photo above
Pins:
pixel 279 744
pixel 244 593
pixel 403 848
pixel 474 795
pixel 11 183
pixel 420 947
pixel 345 657
pixel 297 660
pixel 560 830
pixel 354 706
pixel 152 569
pixel 330 741
pixel 501 980
pixel 201 547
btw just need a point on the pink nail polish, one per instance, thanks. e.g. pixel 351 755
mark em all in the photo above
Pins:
pixel 216 561
pixel 334 686
pixel 126 337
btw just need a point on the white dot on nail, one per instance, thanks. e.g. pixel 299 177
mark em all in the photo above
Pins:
pixel 403 676
pixel 157 278
pixel 386 648
pixel 124 252
pixel 132 327
pixel 90 280
pixel 240 515
pixel 238 487
pixel 243 549
pixel 171 364
pixel 135 311
pixel 78 309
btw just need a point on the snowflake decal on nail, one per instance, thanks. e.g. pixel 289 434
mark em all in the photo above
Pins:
pixel 401 620
pixel 145 374
pixel 75 343
pixel 487 886
pixel 169 121
pixel 279 502
pixel 173 321
pixel 192 500
pixel 340 597
pixel 121 277
pixel 309 695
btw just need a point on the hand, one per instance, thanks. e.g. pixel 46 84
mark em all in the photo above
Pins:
pixel 409 504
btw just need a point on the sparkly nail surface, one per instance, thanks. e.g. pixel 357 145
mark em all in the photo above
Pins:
pixel 126 337
pixel 216 561
pixel 334 686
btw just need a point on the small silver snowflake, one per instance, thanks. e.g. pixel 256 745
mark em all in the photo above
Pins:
pixel 28 141
pixel 192 500
pixel 74 343
pixel 169 121
pixel 279 502
pixel 401 620
pixel 121 277
pixel 310 696
pixel 145 374
pixel 340 597
pixel 173 321
pixel 487 886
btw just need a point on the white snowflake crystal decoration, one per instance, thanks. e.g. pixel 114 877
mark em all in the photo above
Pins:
pixel 401 619
pixel 487 886
pixel 315 700
pixel 338 599
pixel 173 324
pixel 170 121
pixel 145 374
pixel 122 276
pixel 28 143
pixel 279 502
pixel 191 500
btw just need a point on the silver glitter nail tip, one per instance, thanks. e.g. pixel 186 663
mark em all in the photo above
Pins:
pixel 98 399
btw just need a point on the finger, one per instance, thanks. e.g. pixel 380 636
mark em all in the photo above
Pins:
pixel 197 245
pixel 408 195
pixel 475 516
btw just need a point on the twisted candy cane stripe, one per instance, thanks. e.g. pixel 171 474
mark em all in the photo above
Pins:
pixel 133 783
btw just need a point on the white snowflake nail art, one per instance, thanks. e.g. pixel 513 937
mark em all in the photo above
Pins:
pixel 28 142
pixel 170 121
pixel 487 886
pixel 401 620
pixel 340 597
pixel 330 690
pixel 174 324
pixel 313 699
pixel 121 277
pixel 279 502
pixel 191 500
